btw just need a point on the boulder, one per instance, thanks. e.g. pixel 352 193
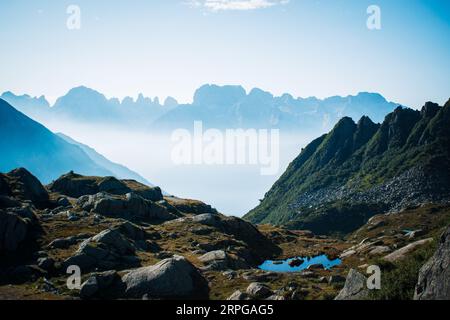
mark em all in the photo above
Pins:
pixel 130 206
pixel 46 263
pixel 401 253
pixel 216 260
pixel 131 231
pixel 21 185
pixel 100 284
pixel 434 276
pixel 13 231
pixel 238 295
pixel 355 287
pixel 208 219
pixel 259 290
pixel 379 250
pixel 65 243
pixel 171 278
pixel 107 250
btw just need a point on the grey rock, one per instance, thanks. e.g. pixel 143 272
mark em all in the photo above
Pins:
pixel 379 250
pixel 209 219
pixel 355 287
pixel 13 231
pixel 171 278
pixel 130 206
pixel 259 290
pixel 46 263
pixel 401 253
pixel 100 284
pixel 89 288
pixel 216 260
pixel 434 276
pixel 238 295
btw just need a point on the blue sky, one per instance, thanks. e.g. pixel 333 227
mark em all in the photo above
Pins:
pixel 171 47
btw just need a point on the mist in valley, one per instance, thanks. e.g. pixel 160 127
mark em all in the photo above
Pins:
pixel 231 189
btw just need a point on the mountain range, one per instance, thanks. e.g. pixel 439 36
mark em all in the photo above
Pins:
pixel 216 106
pixel 26 143
pixel 357 170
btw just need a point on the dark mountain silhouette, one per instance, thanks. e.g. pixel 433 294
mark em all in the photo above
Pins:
pixel 26 143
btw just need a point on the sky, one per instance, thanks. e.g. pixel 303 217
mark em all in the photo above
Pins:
pixel 172 47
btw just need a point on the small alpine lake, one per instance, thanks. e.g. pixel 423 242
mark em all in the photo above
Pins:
pixel 298 264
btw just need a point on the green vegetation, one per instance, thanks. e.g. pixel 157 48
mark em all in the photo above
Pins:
pixel 343 178
pixel 399 279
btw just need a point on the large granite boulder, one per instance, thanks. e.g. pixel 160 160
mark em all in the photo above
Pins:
pixel 107 250
pixel 13 231
pixel 171 278
pixel 355 287
pixel 401 253
pixel 17 225
pixel 434 276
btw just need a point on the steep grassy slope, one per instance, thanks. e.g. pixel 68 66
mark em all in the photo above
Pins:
pixel 357 170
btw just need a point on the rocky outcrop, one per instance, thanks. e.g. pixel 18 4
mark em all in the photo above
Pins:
pixel 17 225
pixel 171 278
pixel 355 287
pixel 238 295
pixel 258 290
pixel 75 185
pixel 101 285
pixel 13 231
pixel 21 185
pixel 434 276
pixel 401 253
pixel 343 178
pixel 107 250
pixel 130 206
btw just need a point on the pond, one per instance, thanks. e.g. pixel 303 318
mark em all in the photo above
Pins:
pixel 297 264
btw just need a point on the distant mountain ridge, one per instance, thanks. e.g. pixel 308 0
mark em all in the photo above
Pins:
pixel 228 106
pixel 357 170
pixel 88 105
pixel 26 143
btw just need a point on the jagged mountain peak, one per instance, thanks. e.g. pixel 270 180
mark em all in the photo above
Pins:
pixel 211 94
pixel 430 109
pixel 357 170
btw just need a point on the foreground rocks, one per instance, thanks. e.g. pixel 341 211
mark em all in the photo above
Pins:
pixel 107 250
pixel 21 185
pixel 355 287
pixel 171 278
pixel 434 276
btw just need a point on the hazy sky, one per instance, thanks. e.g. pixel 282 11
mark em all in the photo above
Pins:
pixel 171 47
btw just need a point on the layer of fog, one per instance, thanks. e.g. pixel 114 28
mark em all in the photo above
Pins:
pixel 232 189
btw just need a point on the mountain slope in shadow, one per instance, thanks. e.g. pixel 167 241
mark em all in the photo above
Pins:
pixel 26 143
